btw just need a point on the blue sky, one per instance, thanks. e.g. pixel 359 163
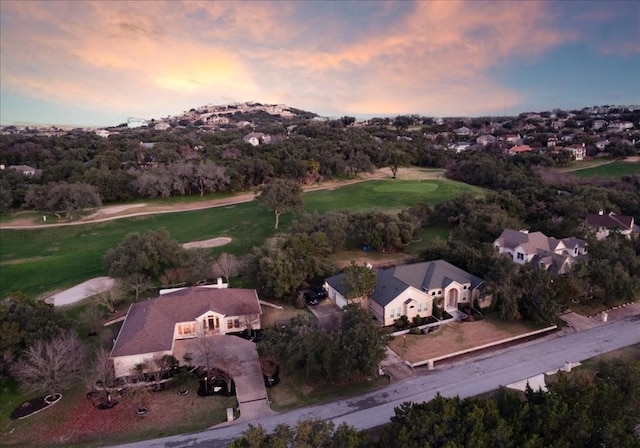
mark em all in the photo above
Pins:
pixel 97 63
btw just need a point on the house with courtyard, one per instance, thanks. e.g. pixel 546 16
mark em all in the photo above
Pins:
pixel 555 255
pixel 411 290
pixel 153 327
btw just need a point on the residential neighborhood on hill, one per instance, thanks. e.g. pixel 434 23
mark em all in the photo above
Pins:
pixel 362 254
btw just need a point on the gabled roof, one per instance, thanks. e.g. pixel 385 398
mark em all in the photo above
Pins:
pixel 251 135
pixel 531 242
pixel 610 221
pixel 422 276
pixel 150 324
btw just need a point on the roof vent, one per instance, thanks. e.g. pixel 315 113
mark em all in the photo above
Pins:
pixel 600 212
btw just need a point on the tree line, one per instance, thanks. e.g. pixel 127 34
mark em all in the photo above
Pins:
pixel 185 162
pixel 578 410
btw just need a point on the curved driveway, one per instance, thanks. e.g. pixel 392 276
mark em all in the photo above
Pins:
pixel 477 376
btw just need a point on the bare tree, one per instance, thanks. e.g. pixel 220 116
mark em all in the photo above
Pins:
pixel 204 353
pixel 50 366
pixel 138 282
pixel 108 293
pixel 217 361
pixel 159 365
pixel 227 366
pixel 137 392
pixel 92 318
pixel 102 372
pixel 226 265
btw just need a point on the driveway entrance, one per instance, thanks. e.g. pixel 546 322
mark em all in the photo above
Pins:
pixel 247 374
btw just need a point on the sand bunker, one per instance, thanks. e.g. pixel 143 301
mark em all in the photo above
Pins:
pixel 214 242
pixel 82 291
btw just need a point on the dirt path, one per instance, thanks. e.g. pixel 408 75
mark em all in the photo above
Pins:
pixel 111 213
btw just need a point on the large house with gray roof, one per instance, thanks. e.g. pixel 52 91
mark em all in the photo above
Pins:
pixel 603 224
pixel 553 254
pixel 411 290
pixel 152 327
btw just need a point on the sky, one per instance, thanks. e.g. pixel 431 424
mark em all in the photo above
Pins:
pixel 96 63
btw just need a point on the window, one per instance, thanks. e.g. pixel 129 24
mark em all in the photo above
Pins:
pixel 433 293
pixel 391 313
pixel 520 256
pixel 229 324
pixel 439 293
pixel 236 323
pixel 186 329
pixel 464 287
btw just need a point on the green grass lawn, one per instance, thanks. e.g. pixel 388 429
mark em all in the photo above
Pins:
pixel 386 194
pixel 614 169
pixel 43 260
pixel 293 392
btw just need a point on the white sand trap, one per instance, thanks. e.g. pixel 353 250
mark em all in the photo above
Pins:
pixel 81 291
pixel 214 242
pixel 117 209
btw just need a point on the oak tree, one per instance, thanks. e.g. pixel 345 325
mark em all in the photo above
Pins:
pixel 281 196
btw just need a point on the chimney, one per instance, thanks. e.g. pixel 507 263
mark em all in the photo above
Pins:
pixel 600 212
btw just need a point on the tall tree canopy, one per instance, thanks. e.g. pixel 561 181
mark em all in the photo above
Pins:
pixel 147 254
pixel 281 196
pixel 359 281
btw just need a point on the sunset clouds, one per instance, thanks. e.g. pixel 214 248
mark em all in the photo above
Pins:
pixel 150 59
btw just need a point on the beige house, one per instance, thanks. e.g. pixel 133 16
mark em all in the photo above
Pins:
pixel 411 290
pixel 152 327
pixel 537 248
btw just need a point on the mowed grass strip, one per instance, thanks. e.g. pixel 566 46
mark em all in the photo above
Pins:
pixel 613 170
pixel 386 194
pixel 40 261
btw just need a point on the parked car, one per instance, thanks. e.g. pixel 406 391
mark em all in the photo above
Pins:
pixel 318 291
pixel 315 295
pixel 310 300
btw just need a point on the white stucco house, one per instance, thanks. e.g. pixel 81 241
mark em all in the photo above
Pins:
pixel 256 138
pixel 153 326
pixel 557 255
pixel 410 290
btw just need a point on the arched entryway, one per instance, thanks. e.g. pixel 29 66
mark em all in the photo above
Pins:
pixel 452 299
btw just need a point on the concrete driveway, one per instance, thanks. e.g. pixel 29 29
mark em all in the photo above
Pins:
pixel 246 372
pixel 580 322
pixel 327 314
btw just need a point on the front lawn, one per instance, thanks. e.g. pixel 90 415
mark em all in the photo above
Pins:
pixel 74 421
pixel 293 392
pixel 457 336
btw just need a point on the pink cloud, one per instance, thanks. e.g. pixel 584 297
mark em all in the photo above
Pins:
pixel 155 58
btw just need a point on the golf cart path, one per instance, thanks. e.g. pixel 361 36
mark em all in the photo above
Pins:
pixel 125 211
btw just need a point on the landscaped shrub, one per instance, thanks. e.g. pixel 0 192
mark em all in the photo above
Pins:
pixel 415 330
pixel 402 323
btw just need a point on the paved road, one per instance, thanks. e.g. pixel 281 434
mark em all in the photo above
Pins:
pixel 473 378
